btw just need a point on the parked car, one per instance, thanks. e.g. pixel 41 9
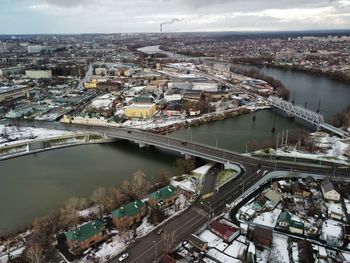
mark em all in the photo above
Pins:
pixel 123 257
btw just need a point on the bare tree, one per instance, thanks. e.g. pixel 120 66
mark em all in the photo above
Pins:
pixel 168 241
pixel 137 187
pixel 100 198
pixel 69 213
pixel 116 198
pixel 184 166
pixel 164 177
pixel 35 253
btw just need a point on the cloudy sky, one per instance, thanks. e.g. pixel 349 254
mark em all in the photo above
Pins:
pixel 106 16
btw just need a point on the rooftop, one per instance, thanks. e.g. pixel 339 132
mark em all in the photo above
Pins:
pixel 130 210
pixel 85 231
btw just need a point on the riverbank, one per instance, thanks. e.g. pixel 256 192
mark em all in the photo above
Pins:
pixel 337 76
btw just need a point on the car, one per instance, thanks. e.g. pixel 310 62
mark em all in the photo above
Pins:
pixel 123 257
pixel 184 143
pixel 129 131
pixel 160 231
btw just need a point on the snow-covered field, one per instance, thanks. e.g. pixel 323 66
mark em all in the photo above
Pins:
pixel 331 228
pixel 280 248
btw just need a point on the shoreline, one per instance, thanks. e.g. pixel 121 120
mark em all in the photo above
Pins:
pixel 331 75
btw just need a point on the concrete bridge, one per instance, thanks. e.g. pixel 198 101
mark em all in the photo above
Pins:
pixel 306 115
pixel 189 148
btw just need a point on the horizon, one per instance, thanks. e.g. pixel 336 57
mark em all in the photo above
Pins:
pixel 141 16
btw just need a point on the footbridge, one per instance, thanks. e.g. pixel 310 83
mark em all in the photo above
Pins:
pixel 307 115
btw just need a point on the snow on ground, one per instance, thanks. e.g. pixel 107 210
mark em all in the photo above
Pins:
pixel 203 169
pixel 89 211
pixel 221 256
pixel 183 65
pixel 262 256
pixel 213 240
pixel 280 248
pixel 347 205
pixel 13 253
pixel 144 228
pixel 186 184
pixel 113 248
pixel 331 228
pixel 236 249
pixel 268 218
pixel 23 134
pixel 335 208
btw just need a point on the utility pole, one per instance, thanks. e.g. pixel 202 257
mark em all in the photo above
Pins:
pixel 287 138
pixel 282 139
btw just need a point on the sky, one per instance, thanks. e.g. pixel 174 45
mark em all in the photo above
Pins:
pixel 119 16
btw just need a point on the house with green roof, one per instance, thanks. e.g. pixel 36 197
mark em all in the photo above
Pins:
pixel 85 236
pixel 163 197
pixel 127 216
pixel 290 222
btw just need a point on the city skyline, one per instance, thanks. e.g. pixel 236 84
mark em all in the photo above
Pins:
pixel 97 16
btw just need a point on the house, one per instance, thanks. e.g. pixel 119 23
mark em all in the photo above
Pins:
pixel 329 192
pixel 163 197
pixel 310 181
pixel 198 243
pixel 305 252
pixel 126 216
pixel 85 236
pixel 301 190
pixel 273 196
pixel 346 232
pixel 284 220
pixel 290 222
pixel 225 231
pixel 262 236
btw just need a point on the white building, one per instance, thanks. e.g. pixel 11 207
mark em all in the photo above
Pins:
pixel 39 74
pixel 328 191
pixel 35 48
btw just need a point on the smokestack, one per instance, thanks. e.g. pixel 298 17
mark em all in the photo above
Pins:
pixel 161 28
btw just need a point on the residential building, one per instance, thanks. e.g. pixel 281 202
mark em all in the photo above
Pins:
pixel 38 74
pixel 126 216
pixel 329 192
pixel 225 231
pixel 142 111
pixel 198 243
pixel 163 197
pixel 85 236
pixel 301 190
pixel 262 236
pixel 290 222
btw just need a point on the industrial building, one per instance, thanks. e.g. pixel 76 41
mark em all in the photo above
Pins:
pixel 143 111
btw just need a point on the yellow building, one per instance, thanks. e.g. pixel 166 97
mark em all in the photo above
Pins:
pixel 91 85
pixel 143 111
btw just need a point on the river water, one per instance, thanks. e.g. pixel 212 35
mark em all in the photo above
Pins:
pixel 32 185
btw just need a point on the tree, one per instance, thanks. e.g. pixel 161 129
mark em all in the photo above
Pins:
pixel 184 166
pixel 116 198
pixel 168 241
pixel 164 177
pixel 137 187
pixel 99 197
pixel 69 213
pixel 35 253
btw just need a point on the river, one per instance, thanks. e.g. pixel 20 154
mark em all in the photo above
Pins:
pixel 30 186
